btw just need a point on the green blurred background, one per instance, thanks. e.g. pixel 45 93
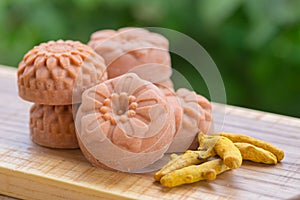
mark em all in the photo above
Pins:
pixel 255 43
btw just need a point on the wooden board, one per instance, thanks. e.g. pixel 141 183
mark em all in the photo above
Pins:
pixel 32 172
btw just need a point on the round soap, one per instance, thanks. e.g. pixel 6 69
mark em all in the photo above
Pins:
pixel 53 126
pixel 124 123
pixel 134 50
pixel 56 73
pixel 195 115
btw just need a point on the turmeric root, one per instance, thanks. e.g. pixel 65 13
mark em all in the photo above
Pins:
pixel 206 145
pixel 223 147
pixel 230 154
pixel 231 148
pixel 256 142
pixel 178 162
pixel 173 156
pixel 194 173
pixel 256 154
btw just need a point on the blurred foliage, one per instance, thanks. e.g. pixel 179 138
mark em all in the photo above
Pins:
pixel 255 43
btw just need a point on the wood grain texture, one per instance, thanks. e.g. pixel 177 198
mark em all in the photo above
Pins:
pixel 29 171
pixel 4 197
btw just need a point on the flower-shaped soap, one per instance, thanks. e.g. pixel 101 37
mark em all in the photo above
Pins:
pixel 53 73
pixel 134 50
pixel 53 126
pixel 195 116
pixel 124 123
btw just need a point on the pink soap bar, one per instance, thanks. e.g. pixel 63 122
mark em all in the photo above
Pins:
pixel 57 72
pixel 194 111
pixel 124 123
pixel 134 50
pixel 53 126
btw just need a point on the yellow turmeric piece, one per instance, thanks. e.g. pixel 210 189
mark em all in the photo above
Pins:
pixel 178 162
pixel 206 145
pixel 256 142
pixel 173 156
pixel 223 147
pixel 194 173
pixel 256 154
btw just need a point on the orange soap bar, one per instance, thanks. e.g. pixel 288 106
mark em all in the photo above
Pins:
pixel 56 73
pixel 124 123
pixel 134 50
pixel 53 126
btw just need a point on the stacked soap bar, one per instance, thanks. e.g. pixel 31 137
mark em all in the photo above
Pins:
pixel 53 75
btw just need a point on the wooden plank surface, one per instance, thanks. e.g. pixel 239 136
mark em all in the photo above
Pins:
pixel 29 171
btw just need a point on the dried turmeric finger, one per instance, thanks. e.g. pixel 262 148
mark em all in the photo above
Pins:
pixel 206 145
pixel 223 147
pixel 194 173
pixel 173 156
pixel 255 154
pixel 206 154
pixel 256 142
pixel 186 175
pixel 229 153
pixel 184 160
